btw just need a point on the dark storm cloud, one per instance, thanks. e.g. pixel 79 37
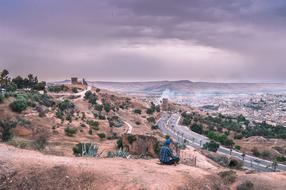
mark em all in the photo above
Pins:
pixel 230 40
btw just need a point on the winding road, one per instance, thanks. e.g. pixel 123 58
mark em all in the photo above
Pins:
pixel 169 124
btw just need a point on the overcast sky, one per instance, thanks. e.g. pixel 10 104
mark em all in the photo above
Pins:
pixel 134 40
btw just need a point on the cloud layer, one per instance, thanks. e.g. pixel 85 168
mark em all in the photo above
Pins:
pixel 127 40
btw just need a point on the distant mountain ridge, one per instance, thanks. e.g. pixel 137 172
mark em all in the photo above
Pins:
pixel 187 87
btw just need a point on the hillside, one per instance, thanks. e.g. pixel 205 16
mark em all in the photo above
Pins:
pixel 27 169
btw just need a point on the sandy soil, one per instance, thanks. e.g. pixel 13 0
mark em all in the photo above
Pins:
pixel 32 170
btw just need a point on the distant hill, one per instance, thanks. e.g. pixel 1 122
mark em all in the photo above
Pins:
pixel 188 87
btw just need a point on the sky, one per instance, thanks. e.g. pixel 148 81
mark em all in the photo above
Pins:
pixel 145 40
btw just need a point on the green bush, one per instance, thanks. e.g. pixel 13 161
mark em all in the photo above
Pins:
pixel 131 138
pixel 228 177
pixel 93 124
pixel 155 127
pixel 247 185
pixel 197 128
pixel 6 129
pixel 211 146
pixel 1 98
pixel 107 107
pixel 65 105
pixel 280 159
pixel 151 120
pixel 237 147
pixel 101 135
pixel 19 105
pixel 119 143
pixel 12 87
pixel 70 131
pixel 137 111
pixel 90 131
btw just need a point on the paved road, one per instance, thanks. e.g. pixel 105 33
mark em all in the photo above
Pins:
pixel 169 124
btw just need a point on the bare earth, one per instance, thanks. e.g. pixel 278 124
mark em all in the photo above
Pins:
pixel 25 169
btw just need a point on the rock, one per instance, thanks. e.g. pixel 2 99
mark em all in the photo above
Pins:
pixel 141 145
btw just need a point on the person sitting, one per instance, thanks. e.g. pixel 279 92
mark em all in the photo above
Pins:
pixel 166 154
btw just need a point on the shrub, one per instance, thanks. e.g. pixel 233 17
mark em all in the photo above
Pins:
pixel 154 127
pixel 65 105
pixel 197 128
pixel 85 149
pixel 70 131
pixel 156 148
pixel 137 122
pixel 19 105
pixel 107 107
pixel 6 129
pixel 235 164
pixel 118 153
pixel 255 152
pixel 1 98
pixel 12 87
pixel 247 185
pixel 228 177
pixel 280 159
pixel 57 88
pixel 119 143
pixel 93 124
pixel 211 146
pixel 137 111
pixel 101 135
pixel 131 138
pixel 41 141
pixel 59 114
pixel 151 120
pixel 90 131
pixel 265 154
pixel 237 147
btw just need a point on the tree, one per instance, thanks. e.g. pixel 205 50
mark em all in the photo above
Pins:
pixel 197 128
pixel 6 129
pixel 19 81
pixel 4 78
pixel 40 86
pixel 12 87
pixel 107 107
pixel 211 146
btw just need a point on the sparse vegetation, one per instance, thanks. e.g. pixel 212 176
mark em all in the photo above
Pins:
pixel 137 111
pixel 70 131
pixel 131 138
pixel 211 146
pixel 41 141
pixel 93 124
pixel 57 88
pixel 155 127
pixel 1 98
pixel 6 129
pixel 85 149
pixel 119 143
pixel 228 177
pixel 101 135
pixel 247 185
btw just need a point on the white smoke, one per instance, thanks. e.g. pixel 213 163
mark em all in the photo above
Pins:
pixel 167 94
